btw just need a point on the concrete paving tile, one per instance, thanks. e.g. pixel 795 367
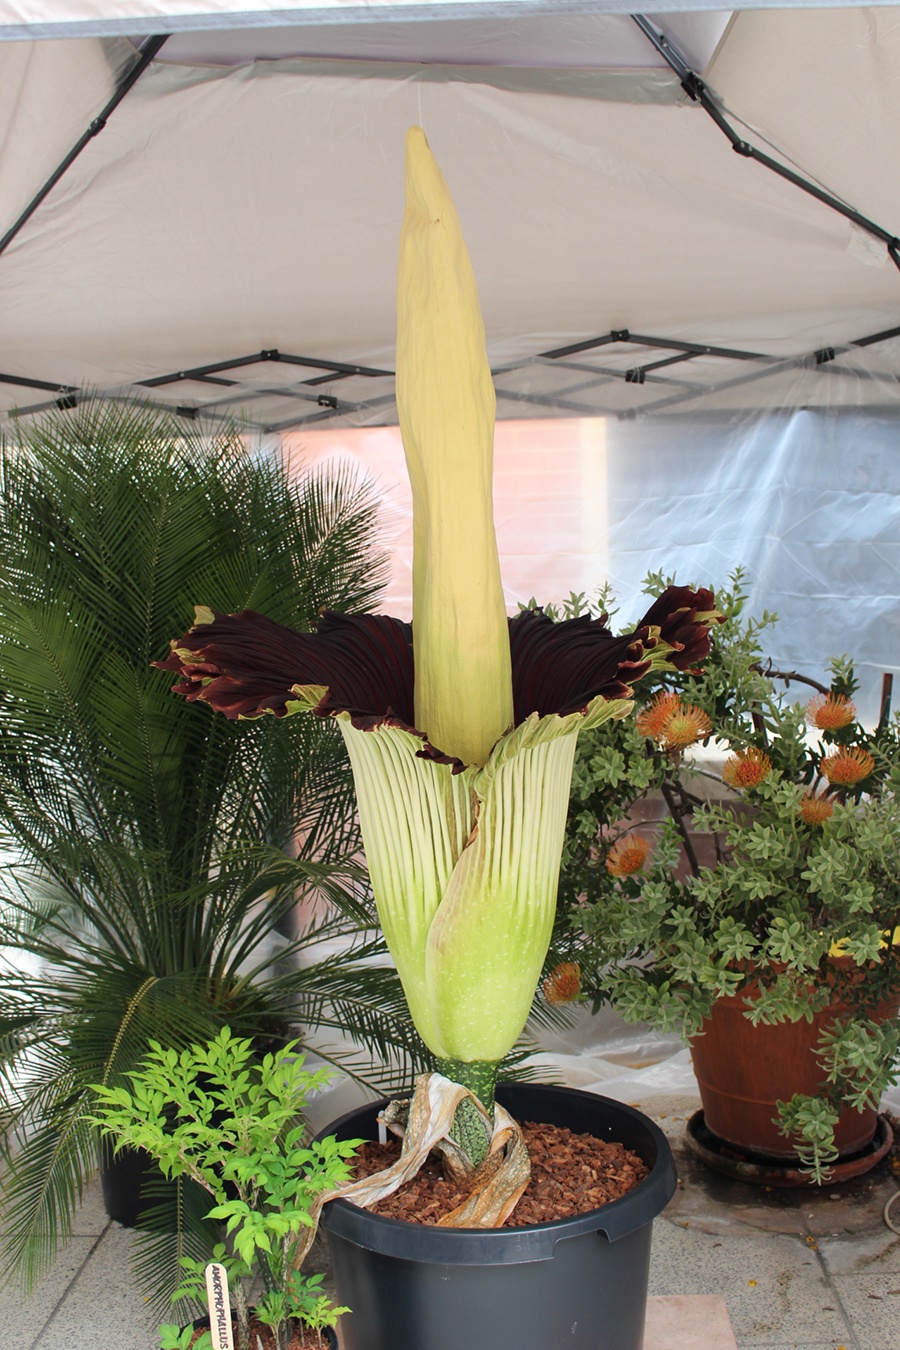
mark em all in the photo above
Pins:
pixel 717 1204
pixel 869 1251
pixel 21 1318
pixel 91 1218
pixel 772 1283
pixel 776 1291
pixel 872 1303
pixel 688 1322
pixel 103 1309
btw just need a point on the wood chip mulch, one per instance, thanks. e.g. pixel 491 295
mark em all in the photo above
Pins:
pixel 570 1174
pixel 302 1338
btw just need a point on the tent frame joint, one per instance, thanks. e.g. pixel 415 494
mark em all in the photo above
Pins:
pixel 697 90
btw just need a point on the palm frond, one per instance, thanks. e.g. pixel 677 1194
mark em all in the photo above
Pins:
pixel 44 1184
pixel 155 878
pixel 173 1225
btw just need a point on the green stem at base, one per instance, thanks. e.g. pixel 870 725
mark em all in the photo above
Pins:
pixel 480 1077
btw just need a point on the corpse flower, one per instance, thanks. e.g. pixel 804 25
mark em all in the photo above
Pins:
pixel 461 728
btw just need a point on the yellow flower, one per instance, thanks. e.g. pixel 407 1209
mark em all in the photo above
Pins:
pixel 747 768
pixel 830 712
pixel 816 810
pixel 627 855
pixel 839 947
pixel 563 984
pixel 848 766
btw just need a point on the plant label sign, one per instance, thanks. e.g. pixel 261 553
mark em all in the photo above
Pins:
pixel 219 1306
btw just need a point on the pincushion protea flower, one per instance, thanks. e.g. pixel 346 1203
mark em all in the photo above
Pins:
pixel 627 856
pixel 652 719
pixel 746 768
pixel 830 712
pixel 684 727
pixel 672 724
pixel 463 762
pixel 847 767
pixel 563 984
pixel 816 810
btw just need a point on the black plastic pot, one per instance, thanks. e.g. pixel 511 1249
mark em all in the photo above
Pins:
pixel 122 1176
pixel 576 1284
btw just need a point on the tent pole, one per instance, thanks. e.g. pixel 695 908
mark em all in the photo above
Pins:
pixel 698 91
pixel 147 52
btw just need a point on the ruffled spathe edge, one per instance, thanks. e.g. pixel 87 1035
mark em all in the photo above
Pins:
pixel 246 665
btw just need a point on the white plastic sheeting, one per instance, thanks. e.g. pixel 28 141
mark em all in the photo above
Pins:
pixel 808 503
pixel 602 1054
pixel 806 500
pixel 630 1063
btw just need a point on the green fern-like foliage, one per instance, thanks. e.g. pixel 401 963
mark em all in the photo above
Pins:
pixel 782 887
pixel 154 855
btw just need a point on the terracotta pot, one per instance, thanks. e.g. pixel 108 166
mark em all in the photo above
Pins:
pixel 743 1070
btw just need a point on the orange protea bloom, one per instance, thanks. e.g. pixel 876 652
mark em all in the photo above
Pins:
pixel 563 984
pixel 684 726
pixel 627 855
pixel 847 766
pixel 830 712
pixel 651 721
pixel 816 810
pixel 747 768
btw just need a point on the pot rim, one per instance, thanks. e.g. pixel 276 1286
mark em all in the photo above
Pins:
pixel 535 1242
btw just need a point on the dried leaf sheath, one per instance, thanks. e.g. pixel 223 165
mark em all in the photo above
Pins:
pixel 496 1187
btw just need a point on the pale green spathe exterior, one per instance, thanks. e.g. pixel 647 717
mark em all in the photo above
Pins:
pixel 465 868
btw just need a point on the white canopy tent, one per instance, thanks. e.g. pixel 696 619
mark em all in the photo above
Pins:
pixel 223 242
pixel 244 197
pixel 724 342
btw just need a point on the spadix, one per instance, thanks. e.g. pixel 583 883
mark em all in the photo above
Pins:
pixel 446 405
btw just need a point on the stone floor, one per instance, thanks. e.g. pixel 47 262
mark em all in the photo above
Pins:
pixel 815 1268
pixel 732 1266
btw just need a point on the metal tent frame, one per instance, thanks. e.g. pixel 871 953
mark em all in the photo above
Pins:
pixel 734 368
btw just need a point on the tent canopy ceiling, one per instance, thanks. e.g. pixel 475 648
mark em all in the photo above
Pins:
pixel 542 40
pixel 27 19
pixel 228 242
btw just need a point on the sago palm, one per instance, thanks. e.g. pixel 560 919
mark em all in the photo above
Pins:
pixel 153 857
